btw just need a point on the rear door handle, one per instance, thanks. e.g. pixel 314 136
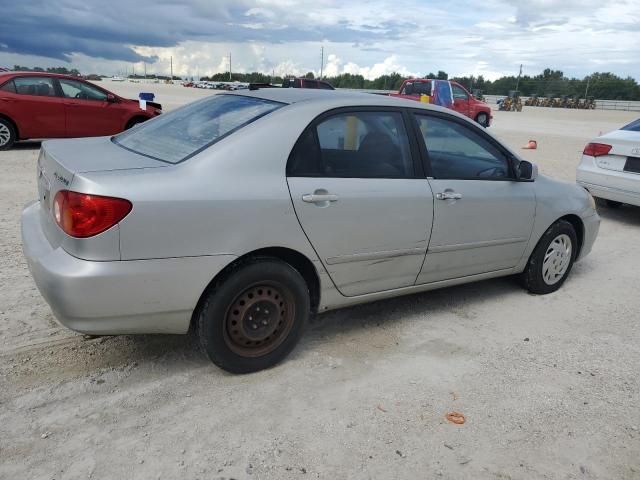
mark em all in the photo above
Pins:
pixel 448 195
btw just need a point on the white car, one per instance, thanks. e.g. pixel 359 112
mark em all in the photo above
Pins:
pixel 610 166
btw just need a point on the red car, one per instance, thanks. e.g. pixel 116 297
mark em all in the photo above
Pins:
pixel 45 105
pixel 462 101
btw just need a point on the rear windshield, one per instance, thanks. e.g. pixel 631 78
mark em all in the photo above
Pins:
pixel 633 126
pixel 178 135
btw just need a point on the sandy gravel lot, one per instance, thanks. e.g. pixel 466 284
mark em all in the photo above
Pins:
pixel 548 384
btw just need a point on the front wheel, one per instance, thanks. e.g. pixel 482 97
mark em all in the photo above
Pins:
pixel 551 261
pixel 254 317
pixel 483 119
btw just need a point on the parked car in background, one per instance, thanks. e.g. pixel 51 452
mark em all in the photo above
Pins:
pixel 306 83
pixel 610 166
pixel 45 105
pixel 180 224
pixel 448 94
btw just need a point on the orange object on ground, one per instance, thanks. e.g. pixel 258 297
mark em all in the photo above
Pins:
pixel 532 145
pixel 455 417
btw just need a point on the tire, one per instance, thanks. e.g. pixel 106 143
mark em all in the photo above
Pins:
pixel 483 119
pixel 7 134
pixel 541 278
pixel 135 121
pixel 269 303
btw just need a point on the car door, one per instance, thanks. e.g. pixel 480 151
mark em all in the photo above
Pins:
pixel 483 217
pixel 37 110
pixel 461 102
pixel 361 199
pixel 87 111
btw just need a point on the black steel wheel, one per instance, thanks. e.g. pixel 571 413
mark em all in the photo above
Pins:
pixel 254 316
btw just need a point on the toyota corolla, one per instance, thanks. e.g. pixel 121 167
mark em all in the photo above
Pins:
pixel 242 214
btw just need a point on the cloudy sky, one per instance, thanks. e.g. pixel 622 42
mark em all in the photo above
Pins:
pixel 373 37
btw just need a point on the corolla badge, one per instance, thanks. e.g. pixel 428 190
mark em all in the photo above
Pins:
pixel 61 179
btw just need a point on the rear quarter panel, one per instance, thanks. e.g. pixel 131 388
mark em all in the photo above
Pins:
pixel 232 198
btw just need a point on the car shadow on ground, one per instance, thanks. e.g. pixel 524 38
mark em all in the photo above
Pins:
pixel 27 145
pixel 82 355
pixel 626 214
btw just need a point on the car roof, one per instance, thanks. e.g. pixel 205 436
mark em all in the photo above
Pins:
pixel 37 74
pixel 334 98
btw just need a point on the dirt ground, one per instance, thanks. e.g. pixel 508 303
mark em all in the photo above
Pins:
pixel 549 385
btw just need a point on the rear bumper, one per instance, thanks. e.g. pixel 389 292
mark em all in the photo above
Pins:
pixel 608 184
pixel 119 297
pixel 612 193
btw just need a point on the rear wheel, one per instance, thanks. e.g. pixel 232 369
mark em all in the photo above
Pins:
pixel 254 317
pixel 550 263
pixel 483 119
pixel 7 134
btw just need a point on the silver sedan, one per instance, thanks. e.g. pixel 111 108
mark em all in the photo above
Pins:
pixel 240 215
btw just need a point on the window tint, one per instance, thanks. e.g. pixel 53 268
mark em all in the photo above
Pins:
pixel 324 86
pixel 8 87
pixel 359 145
pixel 81 90
pixel 174 136
pixel 40 86
pixel 459 93
pixel 310 84
pixel 457 152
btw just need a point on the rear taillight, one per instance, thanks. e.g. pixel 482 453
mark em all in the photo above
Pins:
pixel 81 215
pixel 596 149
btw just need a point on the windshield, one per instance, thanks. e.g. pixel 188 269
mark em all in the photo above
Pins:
pixel 178 135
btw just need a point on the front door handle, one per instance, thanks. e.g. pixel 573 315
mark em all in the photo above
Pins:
pixel 319 197
pixel 448 195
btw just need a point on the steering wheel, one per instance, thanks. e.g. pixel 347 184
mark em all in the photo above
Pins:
pixel 77 95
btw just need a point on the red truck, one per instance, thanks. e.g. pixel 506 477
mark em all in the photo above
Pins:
pixel 448 94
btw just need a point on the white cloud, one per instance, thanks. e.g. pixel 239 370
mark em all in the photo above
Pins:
pixel 335 66
pixel 491 38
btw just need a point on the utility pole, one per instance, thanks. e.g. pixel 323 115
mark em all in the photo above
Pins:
pixel 172 68
pixel 587 89
pixel 229 66
pixel 519 74
pixel 321 61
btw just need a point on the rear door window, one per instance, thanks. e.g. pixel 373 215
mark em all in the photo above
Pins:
pixel 38 86
pixel 180 134
pixel 355 145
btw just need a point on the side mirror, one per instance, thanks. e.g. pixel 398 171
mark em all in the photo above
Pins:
pixel 526 171
pixel 111 98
